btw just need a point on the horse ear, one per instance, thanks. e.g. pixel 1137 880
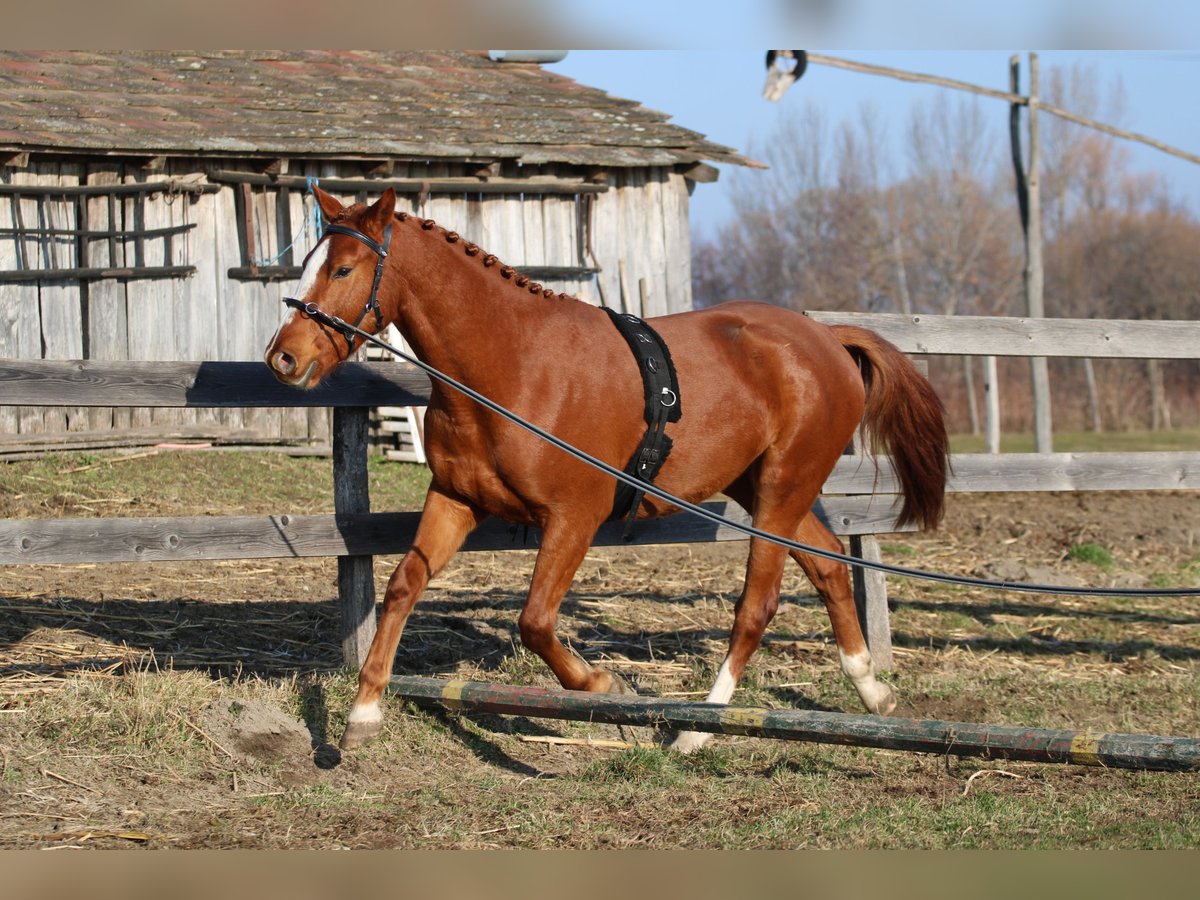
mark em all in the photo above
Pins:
pixel 330 207
pixel 379 214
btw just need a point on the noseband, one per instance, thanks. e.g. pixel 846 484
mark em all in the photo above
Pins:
pixel 372 304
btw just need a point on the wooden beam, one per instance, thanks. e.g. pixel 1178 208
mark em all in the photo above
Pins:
pixel 47 382
pixel 1011 336
pixel 95 274
pixel 1021 472
pixel 410 186
pixel 701 173
pixel 180 539
pixel 16 160
pixel 171 185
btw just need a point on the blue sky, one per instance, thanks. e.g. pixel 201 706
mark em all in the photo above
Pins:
pixel 718 93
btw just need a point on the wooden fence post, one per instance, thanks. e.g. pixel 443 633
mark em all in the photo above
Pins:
pixel 870 585
pixel 356 581
pixel 870 599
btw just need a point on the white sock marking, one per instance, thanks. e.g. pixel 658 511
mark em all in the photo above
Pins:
pixel 368 712
pixel 860 670
pixel 722 690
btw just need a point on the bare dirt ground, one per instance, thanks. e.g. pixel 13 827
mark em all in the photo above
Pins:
pixel 200 705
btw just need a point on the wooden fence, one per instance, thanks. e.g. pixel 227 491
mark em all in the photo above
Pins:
pixel 989 337
pixel 352 533
pixel 859 498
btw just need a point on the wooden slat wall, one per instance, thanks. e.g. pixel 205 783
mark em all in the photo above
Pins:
pixel 641 219
pixel 20 316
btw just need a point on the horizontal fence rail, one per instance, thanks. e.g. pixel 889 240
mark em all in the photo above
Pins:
pixel 47 382
pixel 1003 336
pixel 183 539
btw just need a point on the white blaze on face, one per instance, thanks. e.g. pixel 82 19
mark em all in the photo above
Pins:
pixel 308 278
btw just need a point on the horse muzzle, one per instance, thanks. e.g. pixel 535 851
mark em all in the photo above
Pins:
pixel 287 369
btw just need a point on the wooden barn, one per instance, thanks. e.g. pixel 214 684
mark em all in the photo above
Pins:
pixel 156 205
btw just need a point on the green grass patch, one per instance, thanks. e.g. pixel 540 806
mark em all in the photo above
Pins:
pixel 1090 553
pixel 174 482
pixel 1085 441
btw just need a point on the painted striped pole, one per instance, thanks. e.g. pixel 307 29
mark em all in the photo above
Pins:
pixel 1084 748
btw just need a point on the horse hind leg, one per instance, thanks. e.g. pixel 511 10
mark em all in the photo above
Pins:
pixel 832 581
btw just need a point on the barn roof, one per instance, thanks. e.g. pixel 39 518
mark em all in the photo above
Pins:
pixel 326 104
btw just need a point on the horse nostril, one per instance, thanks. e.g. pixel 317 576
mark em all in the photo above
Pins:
pixel 284 363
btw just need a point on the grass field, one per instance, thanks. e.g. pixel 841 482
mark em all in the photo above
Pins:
pixel 1086 441
pixel 198 705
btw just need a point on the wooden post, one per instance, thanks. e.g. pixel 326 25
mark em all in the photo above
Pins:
pixel 356 582
pixel 1089 373
pixel 870 586
pixel 991 399
pixel 870 599
pixel 1029 193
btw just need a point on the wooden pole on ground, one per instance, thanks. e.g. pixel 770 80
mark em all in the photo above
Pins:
pixel 1050 745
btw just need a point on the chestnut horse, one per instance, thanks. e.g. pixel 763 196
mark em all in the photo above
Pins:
pixel 770 400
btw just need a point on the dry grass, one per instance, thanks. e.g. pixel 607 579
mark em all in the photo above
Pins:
pixel 127 692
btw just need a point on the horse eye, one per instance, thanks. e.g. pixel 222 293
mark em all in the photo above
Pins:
pixel 342 272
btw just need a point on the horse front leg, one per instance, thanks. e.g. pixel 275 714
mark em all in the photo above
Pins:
pixel 445 522
pixel 563 549
pixel 755 609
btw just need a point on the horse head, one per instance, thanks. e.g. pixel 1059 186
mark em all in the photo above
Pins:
pixel 341 280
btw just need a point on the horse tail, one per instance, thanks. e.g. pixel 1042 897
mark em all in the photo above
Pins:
pixel 905 416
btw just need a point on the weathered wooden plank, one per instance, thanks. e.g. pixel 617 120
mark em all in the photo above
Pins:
pixel 1089 748
pixel 201 384
pixel 980 472
pixel 106 438
pixel 1011 336
pixel 654 273
pixel 25 212
pixel 20 316
pixel 180 539
pixel 108 337
pixel 435 183
pixel 150 305
pixel 870 601
pixel 677 239
pixel 597 216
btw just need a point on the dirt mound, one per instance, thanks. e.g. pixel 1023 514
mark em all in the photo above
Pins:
pixel 258 734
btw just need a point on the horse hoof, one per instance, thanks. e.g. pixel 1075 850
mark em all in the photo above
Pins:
pixel 359 733
pixel 620 685
pixel 884 704
pixel 688 742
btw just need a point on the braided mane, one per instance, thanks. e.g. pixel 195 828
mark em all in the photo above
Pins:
pixel 489 260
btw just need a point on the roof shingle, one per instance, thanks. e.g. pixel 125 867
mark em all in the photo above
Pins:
pixel 329 103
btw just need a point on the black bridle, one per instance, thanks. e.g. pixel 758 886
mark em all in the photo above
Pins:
pixel 346 330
